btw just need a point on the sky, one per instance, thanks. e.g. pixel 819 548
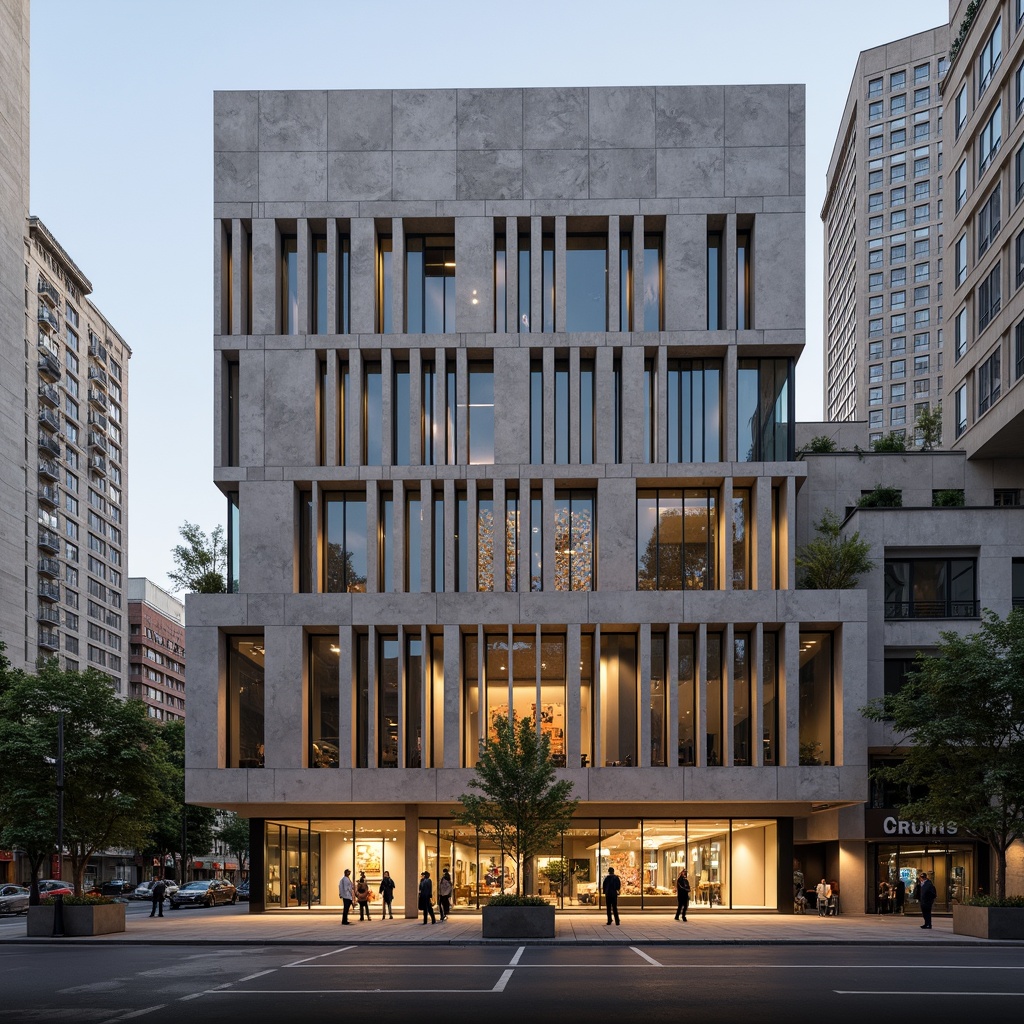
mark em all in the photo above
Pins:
pixel 122 151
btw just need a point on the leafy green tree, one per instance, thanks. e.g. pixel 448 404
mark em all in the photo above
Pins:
pixel 201 562
pixel 165 821
pixel 960 716
pixel 928 428
pixel 891 442
pixel 522 807
pixel 233 832
pixel 832 561
pixel 821 444
pixel 111 769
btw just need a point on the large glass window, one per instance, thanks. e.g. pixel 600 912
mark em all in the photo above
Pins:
pixel 694 410
pixel 742 578
pixel 676 539
pixel 345 550
pixel 714 281
pixel 373 413
pixel 480 420
pixel 245 701
pixel 386 544
pixel 618 697
pixel 989 382
pixel 586 283
pixel 387 702
pixel 324 653
pixel 524 284
pixel 765 411
pixel 686 699
pixel 989 139
pixel 484 541
pixel 432 438
pixel 548 282
pixel 289 284
pixel 401 413
pixel 931 588
pixel 413 708
pixel 413 542
pixel 536 542
pixel 742 700
pixel 430 284
pixel 575 535
pixel 713 690
pixel 500 286
pixel 659 688
pixel 816 699
pixel 385 286
pixel 653 315
pixel 536 412
pixel 511 540
pixel 770 699
pixel 744 281
pixel 989 297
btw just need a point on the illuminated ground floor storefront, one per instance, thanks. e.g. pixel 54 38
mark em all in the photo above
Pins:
pixel 733 863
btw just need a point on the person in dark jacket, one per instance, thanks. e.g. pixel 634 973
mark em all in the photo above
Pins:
pixel 444 894
pixel 926 894
pixel 682 895
pixel 156 894
pixel 611 886
pixel 426 897
pixel 387 893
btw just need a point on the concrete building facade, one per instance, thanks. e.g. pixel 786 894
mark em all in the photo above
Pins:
pixel 504 418
pixel 156 659
pixel 882 216
pixel 984 261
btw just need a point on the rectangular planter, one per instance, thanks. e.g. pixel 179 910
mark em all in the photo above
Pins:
pixel 98 920
pixel 519 922
pixel 989 922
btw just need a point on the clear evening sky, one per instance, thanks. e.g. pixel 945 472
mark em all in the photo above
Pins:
pixel 122 150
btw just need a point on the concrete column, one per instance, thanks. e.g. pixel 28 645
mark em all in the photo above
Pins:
pixel 725 566
pixel 560 273
pixel 700 731
pixel 572 696
pixel 388 426
pixel 661 406
pixel 499 536
pixel 373 581
pixel 354 409
pixel 363 276
pixel 761 539
pixel 266 275
pixel 334 293
pixel 728 752
pixel 371 694
pixel 757 695
pixel 304 269
pixel 462 404
pixel 398 545
pixel 643 758
pixel 574 406
pixel 729 270
pixel 637 291
pixel 415 407
pixel 548 388
pixel 789 695
pixel 729 370
pixel 672 694
pixel 397 275
pixel 604 405
pixel 329 403
pixel 512 274
pixel 346 698
pixel 536 276
pixel 548 533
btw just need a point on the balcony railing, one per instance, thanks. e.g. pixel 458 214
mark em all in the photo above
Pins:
pixel 48 540
pixel 50 639
pixel 98 441
pixel 99 421
pixel 49 468
pixel 49 394
pixel 49 364
pixel 49 591
pixel 49 495
pixel 97 351
pixel 98 398
pixel 48 292
pixel 98 464
pixel 96 374
pixel 932 609
pixel 49 419
pixel 47 317
pixel 50 444
pixel 48 567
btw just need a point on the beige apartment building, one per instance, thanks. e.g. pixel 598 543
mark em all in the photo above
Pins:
pixel 882 216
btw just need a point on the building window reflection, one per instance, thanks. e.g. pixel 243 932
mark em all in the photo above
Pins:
pixel 677 539
pixel 430 284
pixel 345 547
pixel 817 713
pixel 586 283
pixel 575 534
pixel 324 656
pixel 245 701
pixel 694 410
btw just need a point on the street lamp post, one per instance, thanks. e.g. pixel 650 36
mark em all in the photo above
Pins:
pixel 58 903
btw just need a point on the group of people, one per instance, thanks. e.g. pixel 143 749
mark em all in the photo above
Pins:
pixel 359 892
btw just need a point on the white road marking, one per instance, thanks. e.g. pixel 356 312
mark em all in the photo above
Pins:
pixel 649 959
pixel 503 981
pixel 845 992
pixel 258 974
pixel 135 1013
pixel 345 991
pixel 308 959
pixel 514 962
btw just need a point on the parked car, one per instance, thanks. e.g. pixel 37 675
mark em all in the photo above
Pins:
pixel 243 891
pixel 13 899
pixel 145 891
pixel 54 887
pixel 117 887
pixel 206 893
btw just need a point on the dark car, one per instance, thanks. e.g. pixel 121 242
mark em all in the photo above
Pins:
pixel 13 899
pixel 206 893
pixel 117 887
pixel 243 891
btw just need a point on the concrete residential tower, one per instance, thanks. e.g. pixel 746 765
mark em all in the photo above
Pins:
pixel 505 422
pixel 883 239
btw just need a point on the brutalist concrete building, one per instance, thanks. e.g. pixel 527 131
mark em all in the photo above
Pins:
pixel 504 393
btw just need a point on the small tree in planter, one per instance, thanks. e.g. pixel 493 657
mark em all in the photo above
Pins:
pixel 521 805
pixel 832 561
pixel 961 713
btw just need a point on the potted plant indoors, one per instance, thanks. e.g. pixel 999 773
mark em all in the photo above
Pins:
pixel 523 808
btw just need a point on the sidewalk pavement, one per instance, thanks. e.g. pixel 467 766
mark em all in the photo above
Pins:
pixel 223 926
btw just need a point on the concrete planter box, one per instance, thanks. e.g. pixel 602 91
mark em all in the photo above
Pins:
pixel 98 920
pixel 519 922
pixel 989 922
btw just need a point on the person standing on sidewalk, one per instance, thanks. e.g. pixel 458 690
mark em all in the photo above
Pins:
pixel 363 897
pixel 426 897
pixel 346 892
pixel 444 894
pixel 157 896
pixel 387 893
pixel 926 894
pixel 611 886
pixel 682 894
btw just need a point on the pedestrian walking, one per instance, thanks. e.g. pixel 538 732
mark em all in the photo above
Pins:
pixel 387 894
pixel 899 895
pixel 610 887
pixel 363 897
pixel 346 892
pixel 682 895
pixel 426 897
pixel 156 894
pixel 926 895
pixel 824 893
pixel 444 894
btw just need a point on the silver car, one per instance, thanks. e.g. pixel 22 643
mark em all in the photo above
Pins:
pixel 145 891
pixel 13 899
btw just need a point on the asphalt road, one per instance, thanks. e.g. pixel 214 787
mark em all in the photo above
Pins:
pixel 89 984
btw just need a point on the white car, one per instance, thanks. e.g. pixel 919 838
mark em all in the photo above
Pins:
pixel 144 891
